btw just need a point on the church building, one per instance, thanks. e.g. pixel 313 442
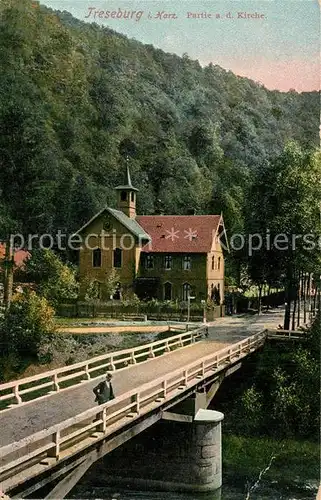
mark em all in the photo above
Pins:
pixel 168 257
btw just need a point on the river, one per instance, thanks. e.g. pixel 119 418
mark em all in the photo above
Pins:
pixel 228 492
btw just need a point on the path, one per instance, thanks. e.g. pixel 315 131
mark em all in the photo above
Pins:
pixel 25 420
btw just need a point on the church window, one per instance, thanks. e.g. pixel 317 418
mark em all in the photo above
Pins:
pixel 117 257
pixel 149 261
pixel 167 291
pixel 168 262
pixel 187 262
pixel 186 291
pixel 96 257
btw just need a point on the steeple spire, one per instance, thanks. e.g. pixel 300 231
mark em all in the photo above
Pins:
pixel 129 181
pixel 126 195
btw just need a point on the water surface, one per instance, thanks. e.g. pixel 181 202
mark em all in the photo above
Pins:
pixel 228 492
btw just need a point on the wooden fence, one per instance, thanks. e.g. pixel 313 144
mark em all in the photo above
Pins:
pixel 24 390
pixel 161 312
pixel 287 334
pixel 77 433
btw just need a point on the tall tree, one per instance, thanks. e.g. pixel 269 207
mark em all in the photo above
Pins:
pixel 285 212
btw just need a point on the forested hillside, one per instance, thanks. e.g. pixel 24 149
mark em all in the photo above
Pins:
pixel 76 99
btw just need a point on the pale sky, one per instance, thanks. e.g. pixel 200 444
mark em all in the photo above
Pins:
pixel 278 46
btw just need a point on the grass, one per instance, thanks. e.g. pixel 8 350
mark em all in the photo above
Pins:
pixel 65 322
pixel 295 461
pixel 253 292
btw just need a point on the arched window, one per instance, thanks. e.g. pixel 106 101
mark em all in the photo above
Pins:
pixel 217 295
pixel 117 257
pixel 168 262
pixel 219 263
pixel 168 291
pixel 149 261
pixel 213 262
pixel 132 196
pixel 96 257
pixel 186 291
pixel 123 196
pixel 187 262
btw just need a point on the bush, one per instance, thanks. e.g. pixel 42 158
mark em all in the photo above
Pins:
pixel 55 280
pixel 92 291
pixel 252 409
pixel 26 322
pixel 282 397
pixel 129 298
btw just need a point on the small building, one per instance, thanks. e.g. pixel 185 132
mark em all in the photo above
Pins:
pixel 19 256
pixel 168 257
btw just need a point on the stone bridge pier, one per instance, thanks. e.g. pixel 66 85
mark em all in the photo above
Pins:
pixel 180 453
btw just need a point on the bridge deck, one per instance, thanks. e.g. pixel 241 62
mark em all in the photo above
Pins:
pixel 25 420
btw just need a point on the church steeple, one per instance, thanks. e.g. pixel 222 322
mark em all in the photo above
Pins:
pixel 129 181
pixel 126 195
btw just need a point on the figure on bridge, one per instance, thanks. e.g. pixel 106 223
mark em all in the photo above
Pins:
pixel 104 390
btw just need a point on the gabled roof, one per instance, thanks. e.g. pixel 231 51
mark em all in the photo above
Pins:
pixel 19 256
pixel 180 233
pixel 129 223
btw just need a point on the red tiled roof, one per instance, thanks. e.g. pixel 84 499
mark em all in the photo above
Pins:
pixel 179 233
pixel 20 256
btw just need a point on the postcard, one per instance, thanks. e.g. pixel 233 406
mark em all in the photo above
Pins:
pixel 160 237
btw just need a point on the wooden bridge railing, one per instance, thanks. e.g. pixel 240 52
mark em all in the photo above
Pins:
pixel 72 435
pixel 287 334
pixel 65 377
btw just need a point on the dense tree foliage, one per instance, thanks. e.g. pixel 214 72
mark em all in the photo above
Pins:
pixel 76 99
pixel 281 395
pixel 94 289
pixel 55 280
pixel 284 211
pixel 23 327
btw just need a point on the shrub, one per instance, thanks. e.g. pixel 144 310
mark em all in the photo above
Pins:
pixel 92 291
pixel 282 397
pixel 96 291
pixel 55 280
pixel 26 322
pixel 129 298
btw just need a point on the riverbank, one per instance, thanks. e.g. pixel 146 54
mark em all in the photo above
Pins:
pixel 62 349
pixel 289 470
pixel 271 431
pixel 293 474
pixel 287 465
